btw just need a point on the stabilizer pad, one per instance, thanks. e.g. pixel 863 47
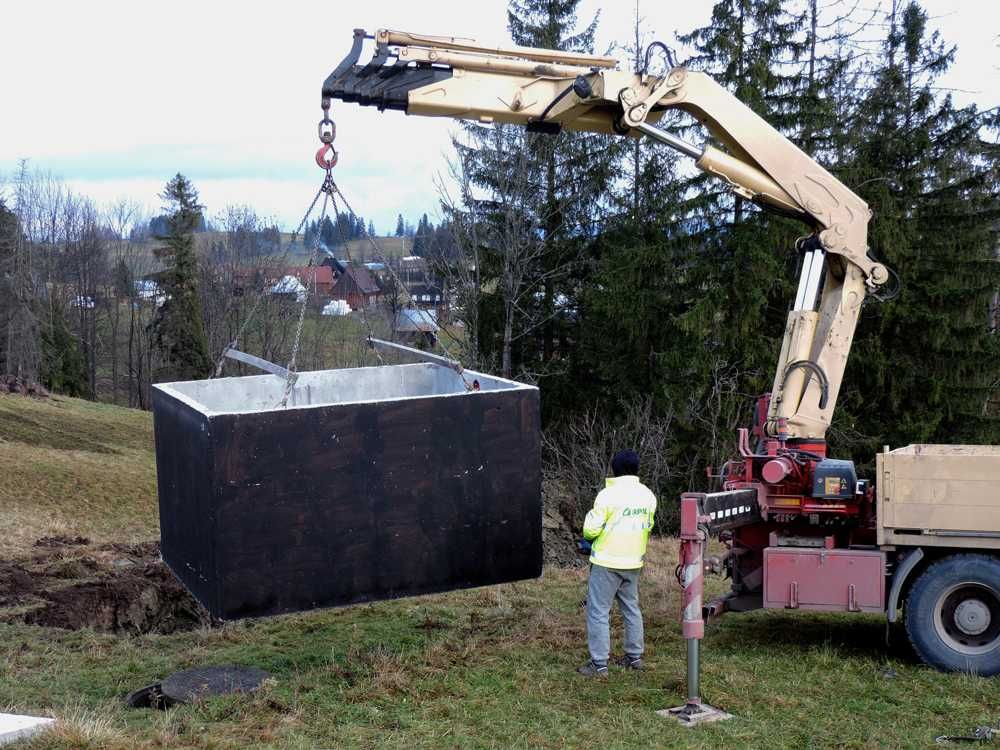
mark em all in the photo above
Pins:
pixel 693 714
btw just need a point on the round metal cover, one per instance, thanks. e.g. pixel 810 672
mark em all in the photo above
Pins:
pixel 186 686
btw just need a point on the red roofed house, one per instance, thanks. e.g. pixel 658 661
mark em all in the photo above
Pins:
pixel 324 278
pixel 357 287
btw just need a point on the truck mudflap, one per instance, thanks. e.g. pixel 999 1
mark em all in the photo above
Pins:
pixel 899 578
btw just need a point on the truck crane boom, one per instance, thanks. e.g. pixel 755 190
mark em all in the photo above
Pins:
pixel 551 90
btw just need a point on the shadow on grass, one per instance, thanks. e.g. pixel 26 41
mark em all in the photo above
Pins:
pixel 850 636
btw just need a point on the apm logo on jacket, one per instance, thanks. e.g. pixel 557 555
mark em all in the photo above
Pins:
pixel 636 512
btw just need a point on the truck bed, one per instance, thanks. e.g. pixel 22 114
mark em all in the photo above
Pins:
pixel 939 495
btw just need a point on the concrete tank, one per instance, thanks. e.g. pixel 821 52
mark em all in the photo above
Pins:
pixel 373 483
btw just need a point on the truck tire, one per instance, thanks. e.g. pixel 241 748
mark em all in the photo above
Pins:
pixel 953 614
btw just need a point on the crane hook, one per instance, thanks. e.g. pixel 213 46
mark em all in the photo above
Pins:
pixel 326 157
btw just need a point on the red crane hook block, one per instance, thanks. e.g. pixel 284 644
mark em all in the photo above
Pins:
pixel 326 157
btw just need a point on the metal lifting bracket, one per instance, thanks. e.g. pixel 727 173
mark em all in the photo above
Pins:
pixel 436 359
pixel 260 364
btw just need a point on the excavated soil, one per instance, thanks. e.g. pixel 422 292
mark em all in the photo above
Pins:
pixel 112 588
pixel 559 542
pixel 559 532
pixel 60 540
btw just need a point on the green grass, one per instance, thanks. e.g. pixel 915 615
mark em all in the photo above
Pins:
pixel 75 467
pixel 472 669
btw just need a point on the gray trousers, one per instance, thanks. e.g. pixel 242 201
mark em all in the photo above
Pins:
pixel 607 585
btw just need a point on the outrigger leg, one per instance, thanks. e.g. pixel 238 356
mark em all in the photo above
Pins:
pixel 691 576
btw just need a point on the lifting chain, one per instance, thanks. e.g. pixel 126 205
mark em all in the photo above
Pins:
pixel 292 368
pixel 260 298
pixel 326 159
pixel 347 252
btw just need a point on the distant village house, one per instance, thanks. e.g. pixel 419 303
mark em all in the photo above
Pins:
pixel 357 287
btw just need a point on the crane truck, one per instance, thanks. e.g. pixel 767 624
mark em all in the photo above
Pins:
pixel 804 532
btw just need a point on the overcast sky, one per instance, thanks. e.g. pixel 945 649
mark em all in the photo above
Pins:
pixel 115 97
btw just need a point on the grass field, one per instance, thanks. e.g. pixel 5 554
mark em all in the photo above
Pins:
pixel 473 669
pixel 72 466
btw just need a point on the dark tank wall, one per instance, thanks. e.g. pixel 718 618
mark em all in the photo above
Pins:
pixel 186 487
pixel 295 509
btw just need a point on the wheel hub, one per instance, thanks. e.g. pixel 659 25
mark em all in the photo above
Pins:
pixel 972 617
pixel 967 618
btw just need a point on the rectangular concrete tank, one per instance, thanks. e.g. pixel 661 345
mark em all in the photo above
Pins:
pixel 374 483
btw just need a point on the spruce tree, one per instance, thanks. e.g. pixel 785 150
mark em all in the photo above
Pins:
pixel 422 237
pixel 19 294
pixel 575 170
pixel 18 323
pixel 735 266
pixel 63 366
pixel 627 301
pixel 925 364
pixel 829 86
pixel 564 193
pixel 309 234
pixel 178 328
pixel 327 233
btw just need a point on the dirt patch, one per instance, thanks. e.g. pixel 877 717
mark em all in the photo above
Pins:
pixel 141 550
pixel 111 588
pixel 149 600
pixel 62 541
pixel 16 583
pixel 72 568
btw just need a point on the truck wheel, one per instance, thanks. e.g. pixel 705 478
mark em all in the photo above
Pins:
pixel 953 614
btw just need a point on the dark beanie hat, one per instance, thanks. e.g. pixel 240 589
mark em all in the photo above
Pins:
pixel 625 462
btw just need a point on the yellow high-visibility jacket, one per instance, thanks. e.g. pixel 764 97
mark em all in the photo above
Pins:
pixel 619 523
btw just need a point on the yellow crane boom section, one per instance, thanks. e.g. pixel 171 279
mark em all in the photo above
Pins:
pixel 551 90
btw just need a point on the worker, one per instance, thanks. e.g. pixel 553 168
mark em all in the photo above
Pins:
pixel 618 528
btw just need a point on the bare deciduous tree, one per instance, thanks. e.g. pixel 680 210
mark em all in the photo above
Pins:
pixel 85 271
pixel 501 237
pixel 578 452
pixel 18 311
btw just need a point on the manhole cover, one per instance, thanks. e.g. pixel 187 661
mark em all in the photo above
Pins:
pixel 183 687
pixel 186 686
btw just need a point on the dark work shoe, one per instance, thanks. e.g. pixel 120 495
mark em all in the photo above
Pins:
pixel 630 662
pixel 591 669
